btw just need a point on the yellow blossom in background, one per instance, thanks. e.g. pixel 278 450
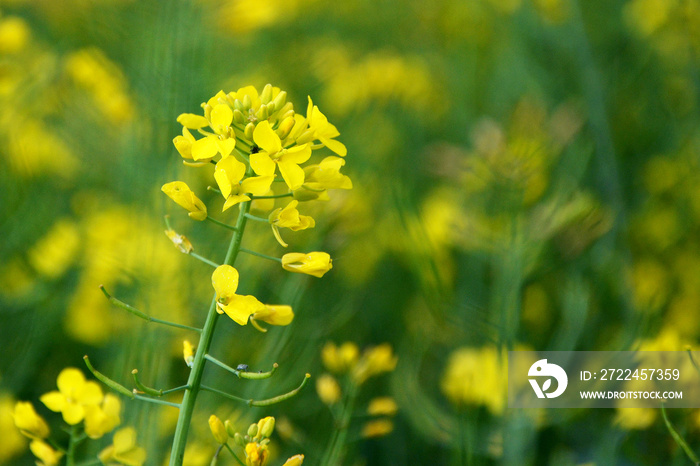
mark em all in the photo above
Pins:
pixel 328 389
pixel 340 359
pixel 14 35
pixel 104 418
pixel 91 70
pixel 29 422
pixel 75 395
pixel 124 450
pixel 313 263
pixel 12 442
pixel 237 307
pixel 45 453
pixel 476 377
pixel 377 428
pixel 184 197
pixel 374 361
pixel 57 250
pixel 382 406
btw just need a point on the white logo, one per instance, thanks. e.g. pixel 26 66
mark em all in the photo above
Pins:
pixel 542 369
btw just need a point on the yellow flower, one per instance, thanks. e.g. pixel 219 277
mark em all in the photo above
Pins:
pixel 295 460
pixel 237 307
pixel 328 389
pixel 29 422
pixel 274 314
pixel 313 263
pixel 102 419
pixel 326 175
pixel 340 360
pixel 14 34
pixel 382 406
pixel 12 442
pixel 229 175
pixel 374 361
pixel 180 241
pixel 217 429
pixel 289 217
pixel 288 160
pixel 475 377
pixel 320 129
pixel 47 455
pixel 256 454
pixel 73 396
pixel 377 428
pixel 123 450
pixel 188 353
pixel 179 192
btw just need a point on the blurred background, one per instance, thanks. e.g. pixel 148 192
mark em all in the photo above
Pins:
pixel 526 176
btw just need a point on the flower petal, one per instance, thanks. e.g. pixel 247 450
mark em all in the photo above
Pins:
pixel 265 137
pixel 262 164
pixel 225 282
pixel 221 115
pixel 192 121
pixel 292 173
pixel 240 308
pixel 257 185
pixel 69 380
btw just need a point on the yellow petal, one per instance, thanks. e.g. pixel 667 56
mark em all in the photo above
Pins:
pixel 265 137
pixel 226 146
pixel 223 181
pixel 262 164
pixel 221 115
pixel 336 146
pixel 225 282
pixel 73 413
pixel 292 173
pixel 298 154
pixel 235 199
pixel 257 185
pixel 70 379
pixel 240 308
pixel 89 394
pixel 204 148
pixel 55 401
pixel 275 314
pixel 192 121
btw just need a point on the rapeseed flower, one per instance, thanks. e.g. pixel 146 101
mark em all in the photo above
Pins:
pixel 237 307
pixel 75 396
pixel 179 192
pixel 29 422
pixel 289 217
pixel 313 263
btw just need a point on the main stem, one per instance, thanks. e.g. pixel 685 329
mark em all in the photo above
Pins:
pixel 195 380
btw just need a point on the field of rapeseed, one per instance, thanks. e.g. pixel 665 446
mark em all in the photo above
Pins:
pixel 274 232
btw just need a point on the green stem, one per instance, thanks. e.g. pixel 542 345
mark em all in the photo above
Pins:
pixel 143 315
pixel 70 454
pixel 258 403
pixel 222 224
pixel 677 437
pixel 157 401
pixel 335 454
pixel 195 380
pixel 242 374
pixel 234 455
pixel 275 196
pixel 257 219
pixel 203 259
pixel 117 387
pixel 259 254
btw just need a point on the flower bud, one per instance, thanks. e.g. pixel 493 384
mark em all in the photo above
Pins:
pixel 218 430
pixel 188 353
pixel 238 438
pixel 265 426
pixel 262 113
pixel 253 430
pixel 248 132
pixel 238 105
pixel 247 103
pixel 285 127
pixel 266 94
pixel 238 117
pixel 230 429
pixel 328 389
pixel 280 101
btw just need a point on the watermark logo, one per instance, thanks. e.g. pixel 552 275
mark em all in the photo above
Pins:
pixel 543 369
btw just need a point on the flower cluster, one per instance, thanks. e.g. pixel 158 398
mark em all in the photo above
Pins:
pixel 346 362
pixel 79 401
pixel 254 443
pixel 246 139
